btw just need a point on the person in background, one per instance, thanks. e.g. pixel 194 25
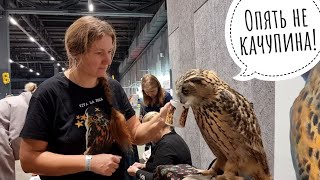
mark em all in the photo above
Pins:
pixel 154 97
pixel 80 123
pixel 30 87
pixel 13 112
pixel 169 149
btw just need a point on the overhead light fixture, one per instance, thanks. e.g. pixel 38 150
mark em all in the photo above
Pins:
pixel 10 61
pixel 32 39
pixel 90 5
pixel 58 64
pixel 21 66
pixel 63 69
pixel 37 74
pixel 13 21
pixel 30 70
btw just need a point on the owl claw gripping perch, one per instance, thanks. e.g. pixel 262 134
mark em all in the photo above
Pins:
pixel 228 125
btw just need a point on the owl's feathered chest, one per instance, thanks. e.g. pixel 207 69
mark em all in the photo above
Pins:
pixel 305 130
pixel 224 121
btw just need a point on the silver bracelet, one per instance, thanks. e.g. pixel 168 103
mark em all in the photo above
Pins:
pixel 88 162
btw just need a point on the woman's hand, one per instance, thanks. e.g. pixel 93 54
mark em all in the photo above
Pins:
pixel 139 165
pixel 105 164
pixel 143 133
pixel 132 170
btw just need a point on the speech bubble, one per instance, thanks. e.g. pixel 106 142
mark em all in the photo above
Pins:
pixel 273 40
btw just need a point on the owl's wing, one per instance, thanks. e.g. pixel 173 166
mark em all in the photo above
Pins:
pixel 244 122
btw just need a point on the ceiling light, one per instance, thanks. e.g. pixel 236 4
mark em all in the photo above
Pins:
pixel 58 64
pixel 21 66
pixel 13 21
pixel 52 58
pixel 32 39
pixel 10 61
pixel 42 49
pixel 63 69
pixel 30 70
pixel 37 74
pixel 90 5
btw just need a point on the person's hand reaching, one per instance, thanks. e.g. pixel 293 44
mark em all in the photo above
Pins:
pixel 132 170
pixel 139 165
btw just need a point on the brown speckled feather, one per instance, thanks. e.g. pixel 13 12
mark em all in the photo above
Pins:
pixel 305 129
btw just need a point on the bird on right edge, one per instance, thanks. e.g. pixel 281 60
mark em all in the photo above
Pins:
pixel 228 125
pixel 305 129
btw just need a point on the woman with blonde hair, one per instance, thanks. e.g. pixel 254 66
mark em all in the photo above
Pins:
pixel 80 123
pixel 30 87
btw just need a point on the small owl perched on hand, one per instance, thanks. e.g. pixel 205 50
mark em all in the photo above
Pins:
pixel 228 125
pixel 305 129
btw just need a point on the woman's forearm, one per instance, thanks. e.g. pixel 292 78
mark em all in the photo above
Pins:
pixel 51 164
pixel 35 159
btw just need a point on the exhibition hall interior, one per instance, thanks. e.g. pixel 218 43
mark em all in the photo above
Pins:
pixel 231 127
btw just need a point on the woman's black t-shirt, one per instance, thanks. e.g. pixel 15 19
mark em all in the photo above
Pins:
pixel 57 115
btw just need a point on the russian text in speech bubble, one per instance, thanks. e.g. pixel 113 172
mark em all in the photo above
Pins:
pixel 273 40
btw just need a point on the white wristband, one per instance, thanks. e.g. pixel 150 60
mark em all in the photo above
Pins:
pixel 88 162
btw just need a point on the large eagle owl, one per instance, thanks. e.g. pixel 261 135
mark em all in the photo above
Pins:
pixel 228 125
pixel 305 129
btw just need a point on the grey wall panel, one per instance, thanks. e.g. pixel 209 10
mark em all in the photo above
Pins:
pixel 197 4
pixel 186 39
pixel 174 53
pixel 174 7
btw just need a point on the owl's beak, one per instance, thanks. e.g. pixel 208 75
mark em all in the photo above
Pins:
pixel 182 100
